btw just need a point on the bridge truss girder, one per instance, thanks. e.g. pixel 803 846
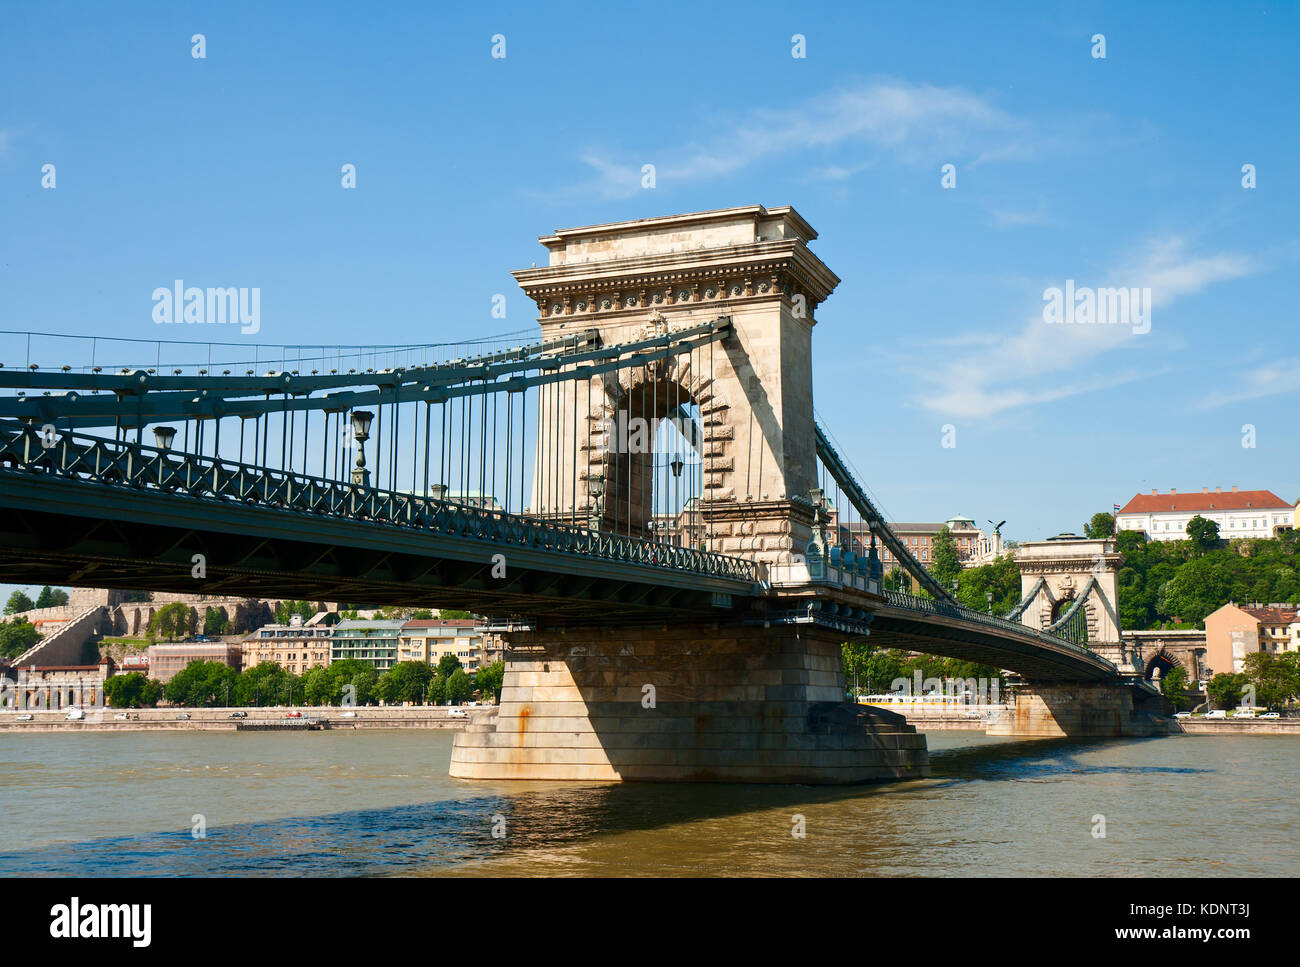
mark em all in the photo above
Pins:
pixel 1030 658
pixel 54 532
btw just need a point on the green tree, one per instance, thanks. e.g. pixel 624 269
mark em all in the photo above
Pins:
pixel 883 667
pixel 1174 687
pixel 437 689
pixel 1204 534
pixel 1274 677
pixel 285 609
pixel 854 655
pixel 18 602
pixel 203 683
pixel 16 637
pixel 175 620
pixel 1226 689
pixel 421 614
pixel 360 676
pixel 132 690
pixel 489 679
pixel 404 682
pixel 51 598
pixel 876 668
pixel 267 683
pixel 1196 588
pixel 318 687
pixel 214 622
pixel 1002 577
pixel 448 615
pixel 448 664
pixel 151 694
pixel 1101 526
pixel 458 687
pixel 945 562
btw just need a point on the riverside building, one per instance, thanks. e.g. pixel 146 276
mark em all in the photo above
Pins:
pixel 296 647
pixel 373 641
pixel 1239 513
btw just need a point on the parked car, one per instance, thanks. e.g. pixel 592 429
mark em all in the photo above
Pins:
pixel 75 714
pixel 239 715
pixel 183 716
pixel 1244 713
pixel 349 714
pixel 1182 715
pixel 293 715
pixel 1217 713
pixel 26 717
pixel 122 716
pixel 457 713
pixel 1270 715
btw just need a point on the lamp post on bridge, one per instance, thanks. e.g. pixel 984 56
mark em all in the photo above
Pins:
pixel 676 465
pixel 163 436
pixel 361 433
pixel 596 513
pixel 989 596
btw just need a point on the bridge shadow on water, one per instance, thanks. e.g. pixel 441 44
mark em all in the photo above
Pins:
pixel 1039 760
pixel 440 836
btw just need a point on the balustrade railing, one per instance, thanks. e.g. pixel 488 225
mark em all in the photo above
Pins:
pixel 136 465
pixel 910 602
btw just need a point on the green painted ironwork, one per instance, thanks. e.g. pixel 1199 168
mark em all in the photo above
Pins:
pixel 110 463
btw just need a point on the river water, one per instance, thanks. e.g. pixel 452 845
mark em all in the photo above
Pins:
pixel 380 803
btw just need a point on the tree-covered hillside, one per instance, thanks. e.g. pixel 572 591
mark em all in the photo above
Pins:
pixel 1168 581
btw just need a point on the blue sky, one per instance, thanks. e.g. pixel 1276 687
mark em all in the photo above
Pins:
pixel 1117 171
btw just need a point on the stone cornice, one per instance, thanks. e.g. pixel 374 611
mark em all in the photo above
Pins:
pixel 685 220
pixel 758 270
pixel 1066 565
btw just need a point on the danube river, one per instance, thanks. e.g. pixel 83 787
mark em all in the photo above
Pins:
pixel 380 803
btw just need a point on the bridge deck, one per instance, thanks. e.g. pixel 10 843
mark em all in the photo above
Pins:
pixel 110 514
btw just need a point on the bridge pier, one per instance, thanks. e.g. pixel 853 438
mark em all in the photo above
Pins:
pixel 1083 710
pixel 687 703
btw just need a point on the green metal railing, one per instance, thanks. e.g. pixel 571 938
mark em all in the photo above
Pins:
pixel 909 602
pixel 110 463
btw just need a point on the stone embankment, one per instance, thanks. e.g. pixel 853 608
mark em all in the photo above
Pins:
pixel 219 720
pixel 1242 726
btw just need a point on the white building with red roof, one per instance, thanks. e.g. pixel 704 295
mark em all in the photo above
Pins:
pixel 1239 513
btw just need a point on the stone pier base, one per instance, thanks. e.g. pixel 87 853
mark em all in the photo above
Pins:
pixel 693 703
pixel 1080 710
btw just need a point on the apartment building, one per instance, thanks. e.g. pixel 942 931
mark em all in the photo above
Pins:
pixel 295 647
pixel 1237 630
pixel 165 660
pixel 429 640
pixel 373 640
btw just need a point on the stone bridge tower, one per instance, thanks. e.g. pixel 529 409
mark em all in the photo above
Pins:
pixel 712 697
pixel 1055 574
pixel 750 395
pixel 1062 569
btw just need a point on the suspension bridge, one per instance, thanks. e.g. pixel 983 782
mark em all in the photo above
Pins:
pixel 641 495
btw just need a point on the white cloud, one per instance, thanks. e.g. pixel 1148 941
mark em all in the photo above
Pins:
pixel 913 122
pixel 1171 273
pixel 1037 363
pixel 1268 379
